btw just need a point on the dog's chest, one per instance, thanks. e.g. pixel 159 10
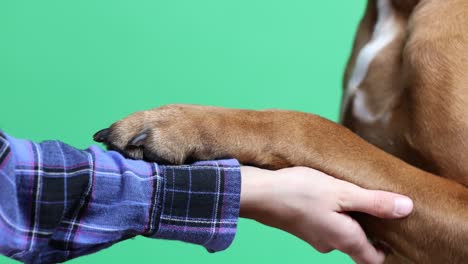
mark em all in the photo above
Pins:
pixel 373 88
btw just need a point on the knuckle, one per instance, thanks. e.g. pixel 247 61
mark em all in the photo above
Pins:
pixel 324 249
pixel 345 198
pixel 379 204
pixel 353 247
pixel 350 242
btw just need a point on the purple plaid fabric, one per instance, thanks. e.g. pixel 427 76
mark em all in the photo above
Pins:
pixel 58 203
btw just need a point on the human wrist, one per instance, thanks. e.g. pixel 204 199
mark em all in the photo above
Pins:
pixel 269 197
pixel 255 192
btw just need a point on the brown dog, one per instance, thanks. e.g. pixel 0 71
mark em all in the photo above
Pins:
pixel 406 96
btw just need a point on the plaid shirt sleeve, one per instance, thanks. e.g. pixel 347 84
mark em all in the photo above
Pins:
pixel 58 202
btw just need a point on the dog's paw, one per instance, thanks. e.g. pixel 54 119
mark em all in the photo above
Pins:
pixel 168 135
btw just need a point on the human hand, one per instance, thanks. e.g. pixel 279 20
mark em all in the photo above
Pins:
pixel 312 206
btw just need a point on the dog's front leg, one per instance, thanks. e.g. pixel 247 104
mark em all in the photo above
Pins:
pixel 435 231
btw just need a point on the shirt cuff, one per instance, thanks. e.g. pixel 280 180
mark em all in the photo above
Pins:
pixel 200 203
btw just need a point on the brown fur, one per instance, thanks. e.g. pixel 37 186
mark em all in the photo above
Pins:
pixel 420 80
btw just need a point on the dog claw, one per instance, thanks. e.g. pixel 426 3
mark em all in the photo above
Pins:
pixel 137 141
pixel 101 135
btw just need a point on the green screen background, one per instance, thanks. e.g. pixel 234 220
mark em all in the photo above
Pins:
pixel 70 68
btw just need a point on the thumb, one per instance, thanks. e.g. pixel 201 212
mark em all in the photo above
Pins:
pixel 378 203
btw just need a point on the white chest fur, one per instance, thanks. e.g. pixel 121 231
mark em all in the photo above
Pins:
pixel 385 30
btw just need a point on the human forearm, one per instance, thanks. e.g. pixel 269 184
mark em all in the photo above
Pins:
pixel 58 202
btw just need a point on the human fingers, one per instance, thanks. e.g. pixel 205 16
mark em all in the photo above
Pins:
pixel 378 203
pixel 349 238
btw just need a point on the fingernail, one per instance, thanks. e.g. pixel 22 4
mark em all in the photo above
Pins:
pixel 403 206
